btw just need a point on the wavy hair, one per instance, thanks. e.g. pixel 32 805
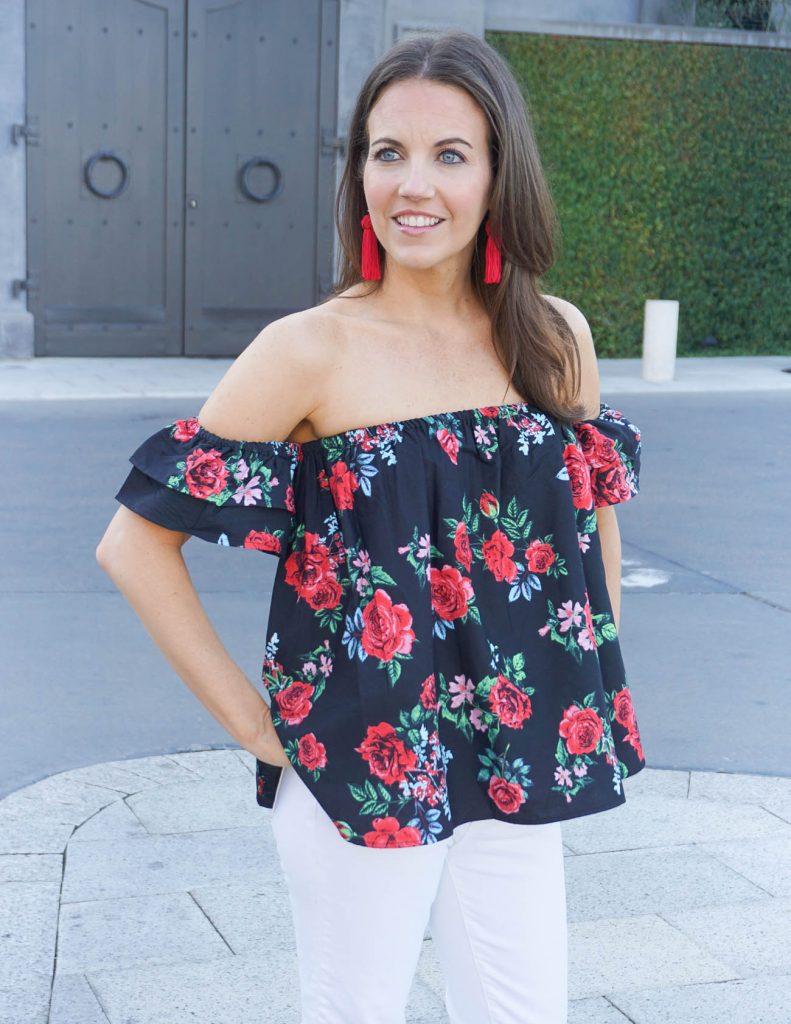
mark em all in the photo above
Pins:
pixel 533 341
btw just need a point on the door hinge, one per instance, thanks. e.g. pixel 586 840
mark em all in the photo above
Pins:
pixel 27 284
pixel 333 143
pixel 27 131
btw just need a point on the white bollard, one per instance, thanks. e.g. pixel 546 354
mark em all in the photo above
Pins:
pixel 660 333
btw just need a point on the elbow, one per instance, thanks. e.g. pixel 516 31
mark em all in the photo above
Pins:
pixel 114 542
pixel 106 551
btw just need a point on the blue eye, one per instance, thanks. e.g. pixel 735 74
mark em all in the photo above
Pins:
pixel 389 149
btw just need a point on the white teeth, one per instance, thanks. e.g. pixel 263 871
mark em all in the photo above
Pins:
pixel 418 222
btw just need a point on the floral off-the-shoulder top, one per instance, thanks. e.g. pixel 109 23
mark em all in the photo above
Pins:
pixel 441 645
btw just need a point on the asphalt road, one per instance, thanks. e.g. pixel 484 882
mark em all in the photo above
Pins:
pixel 706 606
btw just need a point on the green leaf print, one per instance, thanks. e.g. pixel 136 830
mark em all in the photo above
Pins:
pixel 380 577
pixel 393 668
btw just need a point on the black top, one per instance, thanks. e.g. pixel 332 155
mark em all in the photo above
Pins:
pixel 440 645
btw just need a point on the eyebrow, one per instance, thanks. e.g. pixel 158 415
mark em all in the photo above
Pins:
pixel 442 142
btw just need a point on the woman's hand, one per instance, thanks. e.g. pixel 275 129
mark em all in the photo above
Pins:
pixel 266 746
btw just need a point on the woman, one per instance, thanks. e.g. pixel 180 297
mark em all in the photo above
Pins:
pixel 442 660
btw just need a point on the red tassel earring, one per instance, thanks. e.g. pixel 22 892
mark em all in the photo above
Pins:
pixel 372 271
pixel 493 258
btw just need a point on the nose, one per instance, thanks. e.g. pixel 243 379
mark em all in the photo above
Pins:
pixel 416 181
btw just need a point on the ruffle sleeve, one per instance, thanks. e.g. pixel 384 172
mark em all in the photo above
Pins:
pixel 229 492
pixel 607 457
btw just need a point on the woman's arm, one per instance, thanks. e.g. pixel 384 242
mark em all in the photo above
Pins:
pixel 145 562
pixel 269 388
pixel 610 537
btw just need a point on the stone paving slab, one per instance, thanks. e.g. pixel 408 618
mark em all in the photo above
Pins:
pixel 146 891
pixel 763 1000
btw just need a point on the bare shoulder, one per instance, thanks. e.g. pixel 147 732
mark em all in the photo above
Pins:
pixel 275 383
pixel 590 389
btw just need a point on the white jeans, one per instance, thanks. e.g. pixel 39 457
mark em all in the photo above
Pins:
pixel 493 896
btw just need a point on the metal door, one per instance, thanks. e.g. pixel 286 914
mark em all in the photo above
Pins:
pixel 179 194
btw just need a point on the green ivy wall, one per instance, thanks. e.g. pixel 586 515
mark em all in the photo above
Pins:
pixel 670 165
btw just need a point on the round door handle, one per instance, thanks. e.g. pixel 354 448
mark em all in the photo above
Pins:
pixel 106 154
pixel 244 179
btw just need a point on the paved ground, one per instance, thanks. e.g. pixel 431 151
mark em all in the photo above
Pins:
pixel 148 890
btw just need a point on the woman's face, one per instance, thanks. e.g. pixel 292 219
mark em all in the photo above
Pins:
pixel 428 153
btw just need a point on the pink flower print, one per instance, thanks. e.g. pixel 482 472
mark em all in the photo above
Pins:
pixel 241 471
pixel 569 616
pixel 361 586
pixel 309 668
pixel 464 689
pixel 475 718
pixel 363 561
pixel 580 770
pixel 563 776
pixel 248 493
pixel 584 541
pixel 544 630
pixel 325 665
pixel 585 639
pixel 424 546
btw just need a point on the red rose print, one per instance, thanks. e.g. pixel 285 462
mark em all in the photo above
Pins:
pixel 489 505
pixel 343 483
pixel 262 541
pixel 386 754
pixel 450 591
pixel 326 594
pixel 289 499
pixel 492 411
pixel 294 702
pixel 461 540
pixel 185 429
pixel 591 441
pixel 496 552
pixel 449 443
pixel 624 712
pixel 581 728
pixel 610 485
pixel 205 473
pixel 386 627
pixel 388 832
pixel 579 475
pixel 428 693
pixel 509 703
pixel 307 568
pixel 539 556
pixel 634 738
pixel 508 797
pixel 605 452
pixel 312 754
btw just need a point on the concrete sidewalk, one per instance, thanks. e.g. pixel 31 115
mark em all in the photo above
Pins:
pixel 151 891
pixel 55 377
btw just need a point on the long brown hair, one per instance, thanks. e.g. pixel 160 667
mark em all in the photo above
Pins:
pixel 532 340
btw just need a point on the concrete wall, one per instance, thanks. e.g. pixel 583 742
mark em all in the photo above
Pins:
pixel 16 324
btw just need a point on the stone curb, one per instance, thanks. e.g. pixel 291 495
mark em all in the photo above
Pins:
pixel 80 378
pixel 149 890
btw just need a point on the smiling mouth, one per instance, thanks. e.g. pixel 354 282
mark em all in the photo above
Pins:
pixel 410 229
